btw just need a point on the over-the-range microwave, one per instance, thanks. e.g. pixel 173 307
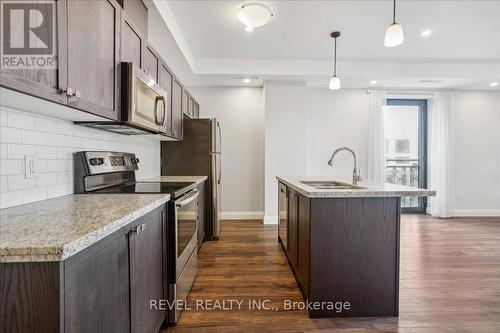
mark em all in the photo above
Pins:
pixel 143 105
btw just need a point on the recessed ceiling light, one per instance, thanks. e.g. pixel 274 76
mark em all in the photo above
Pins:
pixel 246 80
pixel 254 15
pixel 493 84
pixel 426 33
pixel 373 82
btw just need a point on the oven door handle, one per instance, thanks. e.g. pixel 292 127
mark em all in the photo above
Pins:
pixel 187 200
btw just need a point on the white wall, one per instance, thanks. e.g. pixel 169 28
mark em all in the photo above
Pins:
pixel 335 119
pixel 285 141
pixel 53 142
pixel 477 153
pixel 240 111
pixel 329 119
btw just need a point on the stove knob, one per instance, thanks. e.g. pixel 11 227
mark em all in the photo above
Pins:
pixel 96 161
pixel 135 160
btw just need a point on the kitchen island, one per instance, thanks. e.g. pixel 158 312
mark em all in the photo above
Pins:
pixel 342 243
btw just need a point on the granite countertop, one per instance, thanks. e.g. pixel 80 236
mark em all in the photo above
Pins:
pixel 55 229
pixel 368 188
pixel 196 179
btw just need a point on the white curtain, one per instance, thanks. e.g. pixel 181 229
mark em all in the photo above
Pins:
pixel 440 148
pixel 376 140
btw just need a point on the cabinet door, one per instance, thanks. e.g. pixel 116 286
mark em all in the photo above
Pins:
pixel 185 102
pixel 92 56
pixel 196 113
pixel 96 284
pixel 148 271
pixel 201 215
pixel 177 97
pixel 165 81
pixel 283 214
pixel 151 62
pixel 303 241
pixel 39 82
pixel 293 211
pixel 138 13
pixel 132 43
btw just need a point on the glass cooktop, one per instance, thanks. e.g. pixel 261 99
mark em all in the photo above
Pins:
pixel 173 188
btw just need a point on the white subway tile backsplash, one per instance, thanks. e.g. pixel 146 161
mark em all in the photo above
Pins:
pixel 46 152
pixel 34 137
pixel 13 198
pixel 19 182
pixel 55 139
pixel 46 179
pixel 34 194
pixel 18 151
pixel 53 143
pixel 20 120
pixel 11 167
pixel 11 135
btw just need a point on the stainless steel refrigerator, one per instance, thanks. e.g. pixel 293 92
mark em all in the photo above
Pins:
pixel 198 154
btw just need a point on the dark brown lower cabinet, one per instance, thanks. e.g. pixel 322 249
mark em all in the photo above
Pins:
pixel 107 287
pixel 345 254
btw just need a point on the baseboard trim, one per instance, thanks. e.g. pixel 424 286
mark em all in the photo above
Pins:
pixel 241 215
pixel 270 219
pixel 476 212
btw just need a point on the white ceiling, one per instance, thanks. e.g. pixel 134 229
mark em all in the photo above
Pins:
pixel 463 51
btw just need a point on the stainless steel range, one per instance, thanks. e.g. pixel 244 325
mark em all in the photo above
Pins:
pixel 114 172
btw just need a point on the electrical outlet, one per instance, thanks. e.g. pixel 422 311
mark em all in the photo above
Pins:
pixel 30 166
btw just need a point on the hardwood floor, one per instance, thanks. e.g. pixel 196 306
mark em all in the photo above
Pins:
pixel 450 281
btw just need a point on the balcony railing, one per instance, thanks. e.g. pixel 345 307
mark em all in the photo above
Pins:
pixel 403 172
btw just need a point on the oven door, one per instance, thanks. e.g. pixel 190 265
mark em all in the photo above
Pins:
pixel 186 218
pixel 145 101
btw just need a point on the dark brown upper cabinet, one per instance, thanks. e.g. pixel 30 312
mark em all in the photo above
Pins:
pixel 185 102
pixel 151 62
pixel 89 62
pixel 132 42
pixel 137 11
pixel 196 112
pixel 177 97
pixel 43 83
pixel 165 81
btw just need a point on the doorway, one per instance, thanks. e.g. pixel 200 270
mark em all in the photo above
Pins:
pixel 405 133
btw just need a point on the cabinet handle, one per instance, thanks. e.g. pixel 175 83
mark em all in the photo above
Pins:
pixel 138 229
pixel 70 92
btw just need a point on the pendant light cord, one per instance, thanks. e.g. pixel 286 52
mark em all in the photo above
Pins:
pixel 335 58
pixel 394 13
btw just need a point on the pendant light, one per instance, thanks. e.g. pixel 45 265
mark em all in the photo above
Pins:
pixel 394 35
pixel 334 79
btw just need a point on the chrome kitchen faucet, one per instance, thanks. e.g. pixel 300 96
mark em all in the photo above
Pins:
pixel 356 173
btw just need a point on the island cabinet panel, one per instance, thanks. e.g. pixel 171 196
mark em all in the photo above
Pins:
pixel 303 243
pixel 177 97
pixel 39 82
pixel 90 56
pixel 31 297
pixel 293 211
pixel 201 215
pixel 96 297
pixel 354 255
pixel 148 271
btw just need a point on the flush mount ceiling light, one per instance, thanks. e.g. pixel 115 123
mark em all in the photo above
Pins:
pixel 254 15
pixel 493 84
pixel 247 80
pixel 334 80
pixel 372 82
pixel 394 35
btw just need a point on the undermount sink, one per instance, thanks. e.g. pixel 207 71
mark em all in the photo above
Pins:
pixel 330 185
